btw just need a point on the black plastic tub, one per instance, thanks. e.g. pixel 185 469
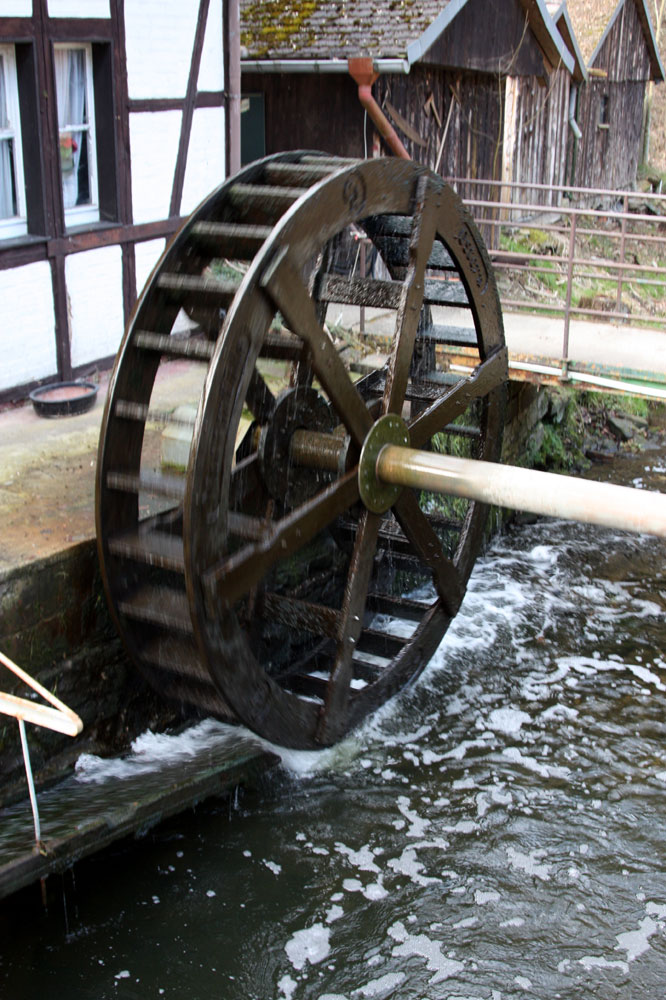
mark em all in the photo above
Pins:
pixel 63 399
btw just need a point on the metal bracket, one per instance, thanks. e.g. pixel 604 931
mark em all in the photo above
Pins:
pixel 376 495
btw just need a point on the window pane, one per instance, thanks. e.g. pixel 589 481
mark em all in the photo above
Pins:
pixel 72 95
pixel 8 207
pixel 4 116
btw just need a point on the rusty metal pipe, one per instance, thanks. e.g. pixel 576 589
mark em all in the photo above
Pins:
pixel 525 489
pixel 363 73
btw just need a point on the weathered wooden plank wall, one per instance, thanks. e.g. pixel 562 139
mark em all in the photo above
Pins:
pixel 464 109
pixel 538 135
pixel 310 111
pixel 610 111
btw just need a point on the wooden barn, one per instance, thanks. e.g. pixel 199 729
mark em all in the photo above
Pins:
pixel 618 43
pixel 540 127
pixel 114 124
pixel 439 70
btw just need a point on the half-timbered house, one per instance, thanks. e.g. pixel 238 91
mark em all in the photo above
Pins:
pixel 113 125
pixel 617 41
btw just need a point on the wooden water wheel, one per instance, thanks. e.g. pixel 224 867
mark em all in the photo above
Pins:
pixel 257 586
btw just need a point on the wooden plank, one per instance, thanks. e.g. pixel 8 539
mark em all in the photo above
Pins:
pixel 162 606
pixel 396 607
pixel 380 643
pixel 300 615
pixel 61 311
pixel 139 805
pixel 176 654
pixel 175 345
pixel 155 548
pixel 377 294
pixel 151 482
pixel 204 290
pixel 188 110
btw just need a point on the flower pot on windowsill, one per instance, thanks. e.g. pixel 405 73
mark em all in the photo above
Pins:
pixel 68 147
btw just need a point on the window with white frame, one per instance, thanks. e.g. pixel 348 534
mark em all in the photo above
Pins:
pixel 76 132
pixel 13 220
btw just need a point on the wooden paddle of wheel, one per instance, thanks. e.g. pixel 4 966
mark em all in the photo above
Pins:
pixel 258 586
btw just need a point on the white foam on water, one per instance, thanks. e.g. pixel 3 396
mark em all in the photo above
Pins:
pixel 311 944
pixel 272 866
pixel 638 941
pixel 507 720
pixel 407 864
pixel 483 897
pixel 599 962
pixel 514 755
pixel 417 823
pixel 423 946
pixel 589 665
pixel 382 986
pixel 151 752
pixel 362 859
pixel 466 922
pixel 334 913
pixel 523 982
pixel 287 986
pixel 529 863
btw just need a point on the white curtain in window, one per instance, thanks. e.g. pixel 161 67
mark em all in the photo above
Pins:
pixel 70 73
pixel 7 203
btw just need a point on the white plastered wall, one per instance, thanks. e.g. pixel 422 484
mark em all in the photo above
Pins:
pixel 95 299
pixel 159 35
pixel 159 39
pixel 205 162
pixel 79 8
pixel 154 138
pixel 27 334
pixel 146 256
pixel 15 8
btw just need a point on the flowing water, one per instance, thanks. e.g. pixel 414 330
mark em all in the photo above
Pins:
pixel 498 831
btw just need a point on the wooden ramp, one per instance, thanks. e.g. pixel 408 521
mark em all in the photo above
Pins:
pixel 81 815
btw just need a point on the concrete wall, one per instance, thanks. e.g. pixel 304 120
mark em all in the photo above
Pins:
pixel 54 622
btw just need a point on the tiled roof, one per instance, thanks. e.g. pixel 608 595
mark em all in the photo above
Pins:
pixel 333 29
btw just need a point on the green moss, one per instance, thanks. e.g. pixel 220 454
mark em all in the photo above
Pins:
pixel 276 23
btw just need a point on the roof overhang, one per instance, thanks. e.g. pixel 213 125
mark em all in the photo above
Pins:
pixel 318 66
pixel 545 31
pixel 566 29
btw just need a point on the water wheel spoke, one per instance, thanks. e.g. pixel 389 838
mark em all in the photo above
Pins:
pixel 283 283
pixel 427 544
pixel 227 582
pixel 490 374
pixel 353 606
pixel 411 299
pixel 259 398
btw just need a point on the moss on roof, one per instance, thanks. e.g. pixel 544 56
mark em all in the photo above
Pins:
pixel 334 29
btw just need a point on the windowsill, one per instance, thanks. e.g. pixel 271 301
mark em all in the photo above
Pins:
pixel 90 227
pixel 26 240
pixel 13 230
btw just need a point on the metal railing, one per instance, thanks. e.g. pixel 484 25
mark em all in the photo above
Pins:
pixel 574 252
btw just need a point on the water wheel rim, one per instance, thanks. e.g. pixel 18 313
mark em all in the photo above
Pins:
pixel 358 191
